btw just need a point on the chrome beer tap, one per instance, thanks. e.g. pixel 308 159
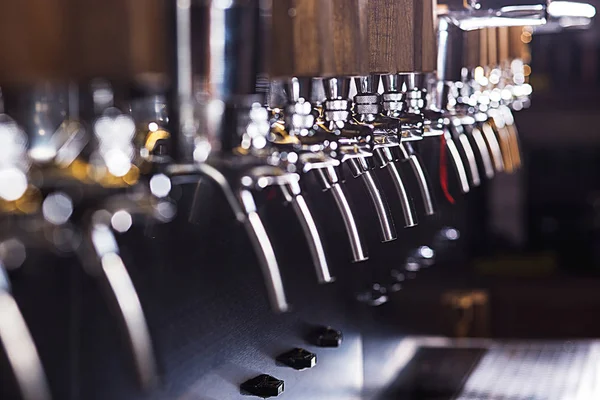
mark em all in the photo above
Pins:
pixel 355 148
pixel 226 136
pixel 318 154
pixel 388 144
pixel 15 338
pixel 450 62
pixel 92 169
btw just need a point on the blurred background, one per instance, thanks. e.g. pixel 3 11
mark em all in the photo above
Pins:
pixel 514 262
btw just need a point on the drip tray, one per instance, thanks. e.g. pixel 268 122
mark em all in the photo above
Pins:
pixel 487 370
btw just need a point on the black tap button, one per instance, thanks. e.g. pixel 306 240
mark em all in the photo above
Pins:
pixel 298 359
pixel 263 386
pixel 329 337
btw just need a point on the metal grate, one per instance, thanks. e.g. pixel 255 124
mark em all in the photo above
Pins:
pixel 536 371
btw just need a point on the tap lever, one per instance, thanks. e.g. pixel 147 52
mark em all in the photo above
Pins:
pixel 311 232
pixel 470 128
pixel 123 292
pixel 459 167
pixel 264 251
pixel 463 140
pixel 330 182
pixel 410 155
pixel 386 223
pixel 492 142
pixel 19 347
pixel 237 177
pixel 386 159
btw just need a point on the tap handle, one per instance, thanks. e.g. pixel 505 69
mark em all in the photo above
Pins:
pixel 457 162
pixel 492 44
pixel 503 39
pixel 387 229
pixel 318 38
pixel 122 291
pixel 330 182
pixel 114 39
pixel 19 347
pixel 264 250
pixel 410 155
pixel 401 36
pixel 473 49
pixel 484 53
pixel 294 196
pixel 517 48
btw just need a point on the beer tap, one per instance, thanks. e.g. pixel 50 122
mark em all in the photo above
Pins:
pixel 449 60
pixel 332 132
pixel 387 137
pixel 476 53
pixel 356 151
pixel 317 154
pixel 77 170
pixel 15 337
pixel 417 59
pixel 456 16
pixel 19 347
pixel 466 116
pixel 226 138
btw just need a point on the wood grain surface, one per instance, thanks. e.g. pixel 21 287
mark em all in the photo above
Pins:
pixel 484 59
pixel 72 39
pixel 503 44
pixel 492 44
pixel 516 46
pixel 402 36
pixel 473 49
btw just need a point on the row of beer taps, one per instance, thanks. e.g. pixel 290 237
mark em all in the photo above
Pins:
pixel 70 181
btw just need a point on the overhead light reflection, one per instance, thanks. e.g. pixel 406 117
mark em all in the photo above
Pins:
pixel 559 9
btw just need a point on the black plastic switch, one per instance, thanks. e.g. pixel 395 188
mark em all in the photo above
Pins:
pixel 298 359
pixel 263 386
pixel 329 337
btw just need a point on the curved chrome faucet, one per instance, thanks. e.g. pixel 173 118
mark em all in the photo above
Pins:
pixel 121 289
pixel 19 347
pixel 330 182
pixel 387 134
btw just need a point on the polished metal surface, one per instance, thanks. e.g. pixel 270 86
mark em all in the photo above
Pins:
pixel 457 162
pixel 23 357
pixel 311 232
pixel 387 229
pixel 358 251
pixel 260 240
pixel 413 159
pixel 330 182
pixel 123 291
pixel 384 215
pixel 410 218
pixel 482 148
pixel 465 145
